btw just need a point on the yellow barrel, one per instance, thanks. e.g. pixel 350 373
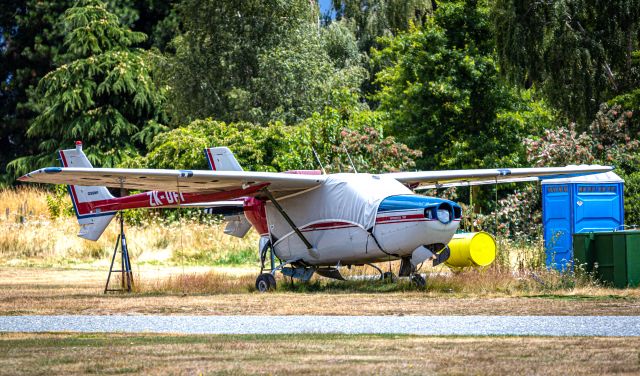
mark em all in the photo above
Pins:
pixel 471 249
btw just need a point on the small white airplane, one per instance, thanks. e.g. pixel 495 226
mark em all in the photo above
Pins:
pixel 312 223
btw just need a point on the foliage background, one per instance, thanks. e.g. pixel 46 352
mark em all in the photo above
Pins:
pixel 399 85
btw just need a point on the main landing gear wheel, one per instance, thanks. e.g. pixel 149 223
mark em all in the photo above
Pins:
pixel 265 282
pixel 418 280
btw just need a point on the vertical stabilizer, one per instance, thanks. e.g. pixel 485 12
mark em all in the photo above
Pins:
pixel 222 159
pixel 85 198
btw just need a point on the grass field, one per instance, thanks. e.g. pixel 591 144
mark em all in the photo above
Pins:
pixel 31 235
pixel 71 291
pixel 51 353
pixel 191 268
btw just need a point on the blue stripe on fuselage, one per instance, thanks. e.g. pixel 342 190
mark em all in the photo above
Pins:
pixel 408 202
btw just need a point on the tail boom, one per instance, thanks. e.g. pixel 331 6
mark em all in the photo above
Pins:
pixel 157 199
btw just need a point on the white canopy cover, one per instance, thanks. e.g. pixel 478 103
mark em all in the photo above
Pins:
pixel 335 201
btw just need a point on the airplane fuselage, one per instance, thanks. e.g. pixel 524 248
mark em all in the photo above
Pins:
pixel 403 223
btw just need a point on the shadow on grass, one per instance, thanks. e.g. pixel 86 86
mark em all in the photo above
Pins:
pixel 349 286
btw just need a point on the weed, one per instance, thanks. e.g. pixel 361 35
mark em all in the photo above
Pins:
pixel 197 283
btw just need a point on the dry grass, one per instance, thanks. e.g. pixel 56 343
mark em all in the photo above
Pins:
pixel 52 353
pixel 27 201
pixel 49 291
pixel 210 282
pixel 28 236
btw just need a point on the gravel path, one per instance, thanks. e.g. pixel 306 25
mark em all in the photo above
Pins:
pixel 424 325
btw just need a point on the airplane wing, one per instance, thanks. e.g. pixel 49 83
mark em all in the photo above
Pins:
pixel 455 178
pixel 186 181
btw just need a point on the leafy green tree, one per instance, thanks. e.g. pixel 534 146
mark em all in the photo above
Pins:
pixel 371 19
pixel 298 78
pixel 102 93
pixel 341 45
pixel 29 46
pixel 610 139
pixel 578 52
pixel 439 84
pixel 217 54
pixel 256 61
pixel 347 125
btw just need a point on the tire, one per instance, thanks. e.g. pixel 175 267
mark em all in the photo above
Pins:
pixel 265 282
pixel 272 281
pixel 418 280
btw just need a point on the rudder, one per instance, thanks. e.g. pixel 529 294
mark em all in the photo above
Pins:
pixel 222 159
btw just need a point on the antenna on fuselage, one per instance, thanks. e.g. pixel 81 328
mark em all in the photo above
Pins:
pixel 350 161
pixel 318 160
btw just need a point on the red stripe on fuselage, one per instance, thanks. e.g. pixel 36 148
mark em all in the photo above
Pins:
pixel 155 199
pixel 400 217
pixel 334 225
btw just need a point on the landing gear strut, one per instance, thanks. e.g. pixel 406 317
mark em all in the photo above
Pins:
pixel 266 281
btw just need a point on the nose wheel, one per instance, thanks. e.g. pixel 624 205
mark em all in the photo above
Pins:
pixel 265 282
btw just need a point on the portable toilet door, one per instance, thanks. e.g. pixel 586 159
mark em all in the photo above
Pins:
pixel 590 203
pixel 556 215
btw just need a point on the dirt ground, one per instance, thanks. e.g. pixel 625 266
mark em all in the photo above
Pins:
pixel 35 291
pixel 51 353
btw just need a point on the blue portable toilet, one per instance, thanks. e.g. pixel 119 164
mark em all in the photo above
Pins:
pixel 578 204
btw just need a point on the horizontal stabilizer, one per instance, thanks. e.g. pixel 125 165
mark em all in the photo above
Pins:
pixel 238 225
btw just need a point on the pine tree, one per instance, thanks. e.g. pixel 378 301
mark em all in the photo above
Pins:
pixel 102 94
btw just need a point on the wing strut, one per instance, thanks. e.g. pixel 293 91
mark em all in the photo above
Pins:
pixel 289 221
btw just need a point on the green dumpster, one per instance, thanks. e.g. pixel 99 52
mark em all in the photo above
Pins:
pixel 616 254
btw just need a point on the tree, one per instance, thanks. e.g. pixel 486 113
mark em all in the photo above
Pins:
pixel 371 19
pixel 578 52
pixel 255 61
pixel 29 45
pixel 439 84
pixel 31 42
pixel 345 126
pixel 103 92
pixel 217 54
pixel 610 139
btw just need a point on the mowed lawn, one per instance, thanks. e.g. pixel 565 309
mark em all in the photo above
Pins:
pixel 55 353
